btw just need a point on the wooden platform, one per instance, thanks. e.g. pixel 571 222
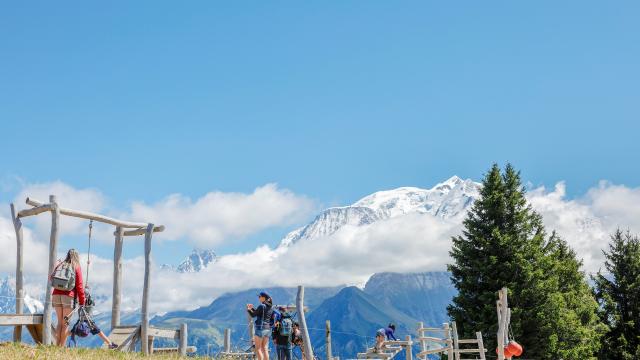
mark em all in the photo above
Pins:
pixel 125 336
pixel 33 323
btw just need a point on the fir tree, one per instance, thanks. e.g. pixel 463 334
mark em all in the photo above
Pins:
pixel 504 243
pixel 618 293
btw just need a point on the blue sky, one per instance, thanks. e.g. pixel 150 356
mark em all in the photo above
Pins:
pixel 332 100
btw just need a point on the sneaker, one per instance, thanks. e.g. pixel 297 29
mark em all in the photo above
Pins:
pixel 113 346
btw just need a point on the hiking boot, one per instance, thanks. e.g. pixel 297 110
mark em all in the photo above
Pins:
pixel 113 346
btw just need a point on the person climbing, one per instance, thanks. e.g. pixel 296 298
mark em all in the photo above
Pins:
pixel 283 334
pixel 389 332
pixel 380 337
pixel 264 317
pixel 297 339
pixel 66 280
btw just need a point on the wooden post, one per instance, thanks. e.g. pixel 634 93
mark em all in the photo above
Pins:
pixel 328 333
pixel 182 346
pixel 308 349
pixel 53 249
pixel 480 345
pixel 150 344
pixel 423 343
pixel 447 332
pixel 456 345
pixel 408 350
pixel 144 326
pixel 117 278
pixel 17 224
pixel 227 340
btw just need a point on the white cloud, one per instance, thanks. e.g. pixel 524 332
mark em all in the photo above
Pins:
pixel 219 216
pixel 416 242
pixel 67 196
pixel 587 222
pixel 33 251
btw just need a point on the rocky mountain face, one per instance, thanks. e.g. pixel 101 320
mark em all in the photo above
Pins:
pixel 446 200
pixel 355 314
pixel 195 262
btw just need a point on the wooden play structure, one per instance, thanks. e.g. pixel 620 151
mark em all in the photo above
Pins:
pixel 445 340
pixel 40 325
pixel 390 348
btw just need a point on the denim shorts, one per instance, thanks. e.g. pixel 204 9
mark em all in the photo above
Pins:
pixel 259 332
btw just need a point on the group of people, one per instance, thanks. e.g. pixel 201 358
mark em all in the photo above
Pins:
pixel 274 323
pixel 71 296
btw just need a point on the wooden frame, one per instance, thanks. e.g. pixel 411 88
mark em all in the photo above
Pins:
pixel 135 229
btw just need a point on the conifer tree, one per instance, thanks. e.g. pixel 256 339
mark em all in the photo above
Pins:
pixel 618 293
pixel 504 243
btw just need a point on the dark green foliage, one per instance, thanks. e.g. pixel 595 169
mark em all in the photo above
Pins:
pixel 618 292
pixel 504 243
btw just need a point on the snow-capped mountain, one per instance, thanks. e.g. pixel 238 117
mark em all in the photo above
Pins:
pixel 446 200
pixel 195 262
pixel 8 299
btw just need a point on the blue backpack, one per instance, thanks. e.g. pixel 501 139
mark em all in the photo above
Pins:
pixel 286 326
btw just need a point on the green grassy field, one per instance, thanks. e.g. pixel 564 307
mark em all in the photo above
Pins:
pixel 21 351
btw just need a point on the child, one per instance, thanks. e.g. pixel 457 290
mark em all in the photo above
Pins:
pixel 380 337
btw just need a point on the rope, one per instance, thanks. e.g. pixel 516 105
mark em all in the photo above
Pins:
pixel 89 253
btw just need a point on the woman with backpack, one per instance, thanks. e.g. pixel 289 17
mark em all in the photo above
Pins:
pixel 67 287
pixel 264 315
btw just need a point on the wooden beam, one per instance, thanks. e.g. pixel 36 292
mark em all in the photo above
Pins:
pixel 17 225
pixel 164 333
pixel 189 350
pixel 308 349
pixel 144 326
pixel 408 348
pixel 182 342
pixel 117 278
pixel 53 251
pixel 91 216
pixel 20 319
pixel 34 211
pixel 141 231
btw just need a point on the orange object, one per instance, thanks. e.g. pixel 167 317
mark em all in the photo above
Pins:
pixel 514 348
pixel 507 353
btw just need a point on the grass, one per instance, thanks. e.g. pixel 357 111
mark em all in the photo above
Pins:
pixel 11 350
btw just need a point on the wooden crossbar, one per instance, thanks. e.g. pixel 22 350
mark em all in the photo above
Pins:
pixel 21 319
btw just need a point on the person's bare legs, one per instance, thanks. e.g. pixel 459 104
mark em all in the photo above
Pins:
pixel 257 341
pixel 62 337
pixel 104 338
pixel 60 325
pixel 265 348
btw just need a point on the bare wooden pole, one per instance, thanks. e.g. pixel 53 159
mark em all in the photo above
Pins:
pixel 447 332
pixel 144 326
pixel 423 343
pixel 85 215
pixel 182 346
pixel 408 350
pixel 456 345
pixel 53 249
pixel 17 224
pixel 227 340
pixel 117 278
pixel 480 345
pixel 328 334
pixel 308 349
